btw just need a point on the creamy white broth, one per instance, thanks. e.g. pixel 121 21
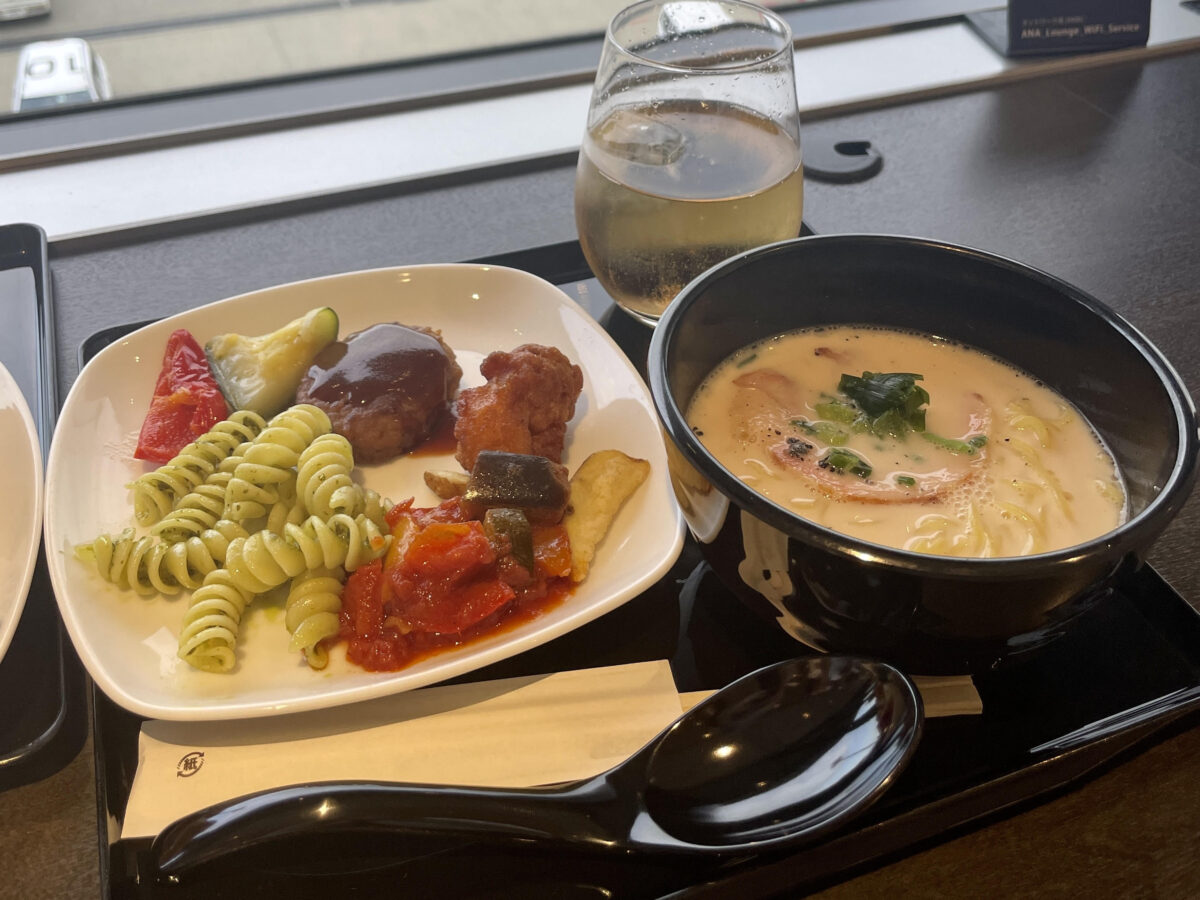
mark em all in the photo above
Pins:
pixel 1027 473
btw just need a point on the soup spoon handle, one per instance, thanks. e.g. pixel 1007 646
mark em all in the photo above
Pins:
pixel 557 814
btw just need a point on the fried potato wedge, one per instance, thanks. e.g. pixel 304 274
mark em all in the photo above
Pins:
pixel 446 483
pixel 599 487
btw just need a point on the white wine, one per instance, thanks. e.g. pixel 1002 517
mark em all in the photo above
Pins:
pixel 664 192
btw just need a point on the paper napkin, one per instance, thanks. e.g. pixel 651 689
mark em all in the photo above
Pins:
pixel 515 732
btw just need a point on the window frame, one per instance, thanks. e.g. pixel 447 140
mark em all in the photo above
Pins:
pixel 118 126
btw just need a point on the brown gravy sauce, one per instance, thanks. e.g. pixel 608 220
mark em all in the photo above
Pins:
pixel 441 440
pixel 385 358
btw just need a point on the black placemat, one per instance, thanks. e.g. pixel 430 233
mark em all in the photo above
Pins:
pixel 1128 672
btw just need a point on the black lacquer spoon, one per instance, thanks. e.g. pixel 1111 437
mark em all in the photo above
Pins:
pixel 781 756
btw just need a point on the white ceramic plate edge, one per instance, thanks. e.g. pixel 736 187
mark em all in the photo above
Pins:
pixel 15 586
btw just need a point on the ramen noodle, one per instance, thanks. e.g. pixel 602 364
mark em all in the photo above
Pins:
pixel 909 441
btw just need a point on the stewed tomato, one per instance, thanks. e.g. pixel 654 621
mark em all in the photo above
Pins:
pixel 443 582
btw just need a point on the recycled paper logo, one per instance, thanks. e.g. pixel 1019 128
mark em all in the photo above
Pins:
pixel 190 764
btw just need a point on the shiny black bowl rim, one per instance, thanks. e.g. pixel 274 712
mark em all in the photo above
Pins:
pixel 1134 534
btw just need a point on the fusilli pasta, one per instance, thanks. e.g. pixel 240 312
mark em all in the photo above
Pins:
pixel 155 493
pixel 270 458
pixel 311 613
pixel 323 477
pixel 266 560
pixel 288 509
pixel 212 621
pixel 290 475
pixel 150 565
pixel 260 562
pixel 197 511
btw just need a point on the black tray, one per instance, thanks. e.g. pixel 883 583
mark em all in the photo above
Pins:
pixel 1129 672
pixel 43 697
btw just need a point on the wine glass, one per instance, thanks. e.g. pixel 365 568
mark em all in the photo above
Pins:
pixel 692 148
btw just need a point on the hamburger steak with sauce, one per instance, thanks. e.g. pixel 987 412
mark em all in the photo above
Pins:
pixel 384 388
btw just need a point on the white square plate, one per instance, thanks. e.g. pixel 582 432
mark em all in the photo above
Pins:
pixel 128 643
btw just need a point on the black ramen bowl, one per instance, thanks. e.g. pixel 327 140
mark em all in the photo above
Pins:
pixel 928 614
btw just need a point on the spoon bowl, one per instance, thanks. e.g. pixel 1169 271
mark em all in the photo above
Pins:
pixel 793 747
pixel 781 756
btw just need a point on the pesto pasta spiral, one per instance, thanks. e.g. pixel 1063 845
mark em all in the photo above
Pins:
pixel 199 510
pixel 311 612
pixel 203 507
pixel 151 566
pixel 259 563
pixel 208 640
pixel 266 560
pixel 376 507
pixel 323 477
pixel 155 493
pixel 114 556
pixel 270 458
pixel 287 509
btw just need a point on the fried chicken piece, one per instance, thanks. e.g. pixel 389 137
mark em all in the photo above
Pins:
pixel 524 408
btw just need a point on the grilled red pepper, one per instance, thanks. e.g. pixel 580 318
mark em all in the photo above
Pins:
pixel 186 402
